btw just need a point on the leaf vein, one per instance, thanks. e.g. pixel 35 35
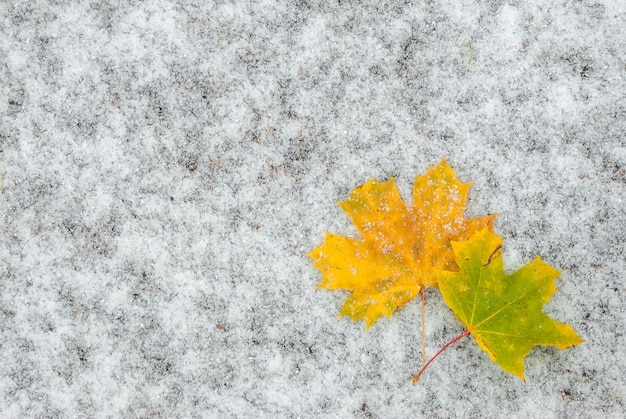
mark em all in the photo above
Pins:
pixel 495 313
pixel 491 332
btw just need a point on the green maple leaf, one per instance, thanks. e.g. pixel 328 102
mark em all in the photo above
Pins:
pixel 503 312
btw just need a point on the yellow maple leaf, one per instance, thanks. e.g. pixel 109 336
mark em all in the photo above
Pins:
pixel 401 247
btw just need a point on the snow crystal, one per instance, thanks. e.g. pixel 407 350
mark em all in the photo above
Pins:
pixel 165 166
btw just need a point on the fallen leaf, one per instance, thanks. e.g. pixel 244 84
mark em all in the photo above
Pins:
pixel 400 247
pixel 503 312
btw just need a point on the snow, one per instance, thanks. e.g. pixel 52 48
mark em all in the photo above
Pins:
pixel 165 167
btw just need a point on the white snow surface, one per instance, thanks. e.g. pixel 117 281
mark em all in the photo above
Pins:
pixel 165 167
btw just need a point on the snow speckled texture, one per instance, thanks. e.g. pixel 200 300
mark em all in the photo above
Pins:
pixel 166 165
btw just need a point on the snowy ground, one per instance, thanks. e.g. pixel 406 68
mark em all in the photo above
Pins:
pixel 166 166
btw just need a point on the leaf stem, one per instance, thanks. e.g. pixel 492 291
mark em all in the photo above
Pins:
pixel 462 335
pixel 423 327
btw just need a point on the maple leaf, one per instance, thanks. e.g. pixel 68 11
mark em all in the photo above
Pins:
pixel 503 312
pixel 400 247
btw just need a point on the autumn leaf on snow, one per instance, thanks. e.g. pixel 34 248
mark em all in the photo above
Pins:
pixel 503 312
pixel 400 247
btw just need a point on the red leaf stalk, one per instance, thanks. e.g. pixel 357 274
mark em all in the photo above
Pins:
pixel 417 376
